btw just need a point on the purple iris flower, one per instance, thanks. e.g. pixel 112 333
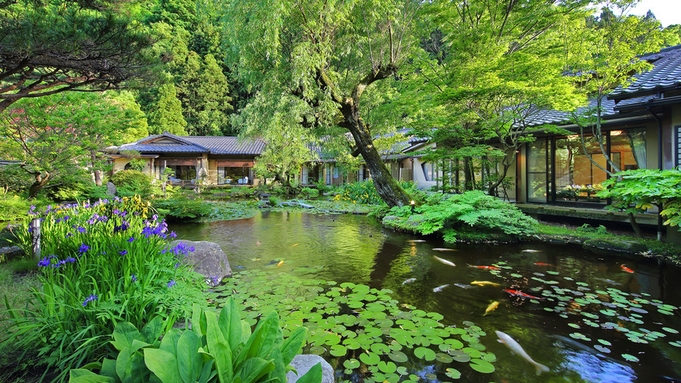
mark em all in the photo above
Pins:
pixel 123 252
pixel 83 248
pixel 171 283
pixel 89 299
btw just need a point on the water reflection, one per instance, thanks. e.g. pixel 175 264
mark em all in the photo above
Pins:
pixel 581 296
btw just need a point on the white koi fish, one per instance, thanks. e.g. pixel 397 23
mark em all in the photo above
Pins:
pixel 439 288
pixel 410 280
pixel 517 349
pixel 446 262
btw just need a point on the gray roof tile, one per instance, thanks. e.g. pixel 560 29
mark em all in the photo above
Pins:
pixel 217 145
pixel 665 75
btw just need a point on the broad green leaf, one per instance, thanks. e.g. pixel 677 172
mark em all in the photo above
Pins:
pixel 151 332
pixel 313 375
pixel 230 323
pixel 293 344
pixel 124 333
pixel 189 361
pixel 87 376
pixel 130 366
pixel 254 368
pixel 163 364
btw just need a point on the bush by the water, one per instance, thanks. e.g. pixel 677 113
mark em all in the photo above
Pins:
pixel 473 211
pixel 101 264
pixel 131 182
pixel 181 208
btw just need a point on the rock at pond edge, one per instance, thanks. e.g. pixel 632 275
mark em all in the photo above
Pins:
pixel 303 362
pixel 207 259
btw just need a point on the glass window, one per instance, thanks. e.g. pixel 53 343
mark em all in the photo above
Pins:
pixel 580 168
pixel 631 145
pixel 428 171
pixel 537 171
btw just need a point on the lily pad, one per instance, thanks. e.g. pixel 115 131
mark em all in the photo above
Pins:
pixel 387 367
pixel 338 350
pixel 670 330
pixel 369 358
pixel 453 373
pixel 398 356
pixel 424 353
pixel 482 366
pixel 630 358
pixel 351 364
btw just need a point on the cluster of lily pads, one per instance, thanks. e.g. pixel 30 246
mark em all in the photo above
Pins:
pixel 603 309
pixel 364 333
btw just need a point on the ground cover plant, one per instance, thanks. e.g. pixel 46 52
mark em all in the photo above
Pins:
pixel 219 347
pixel 450 216
pixel 101 263
pixel 361 331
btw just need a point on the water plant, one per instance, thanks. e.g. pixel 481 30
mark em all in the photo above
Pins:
pixel 101 263
pixel 219 347
pixel 451 215
pixel 362 331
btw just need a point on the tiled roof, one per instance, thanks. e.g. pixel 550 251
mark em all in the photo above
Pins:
pixel 169 143
pixel 665 75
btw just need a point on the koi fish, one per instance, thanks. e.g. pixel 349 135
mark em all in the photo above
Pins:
pixel 294 245
pixel 626 269
pixel 543 264
pixel 280 263
pixel 485 283
pixel 492 306
pixel 531 251
pixel 439 288
pixel 443 249
pixel 517 349
pixel 463 285
pixel 416 240
pixel 484 267
pixel 446 262
pixel 410 280
pixel 521 294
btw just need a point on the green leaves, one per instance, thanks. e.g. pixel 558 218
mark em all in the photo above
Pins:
pixel 219 345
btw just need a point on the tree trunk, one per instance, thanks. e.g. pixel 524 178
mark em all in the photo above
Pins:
pixel 97 173
pixel 386 186
pixel 38 184
pixel 634 225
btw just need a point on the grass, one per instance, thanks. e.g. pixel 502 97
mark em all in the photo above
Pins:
pixel 17 280
pixel 655 248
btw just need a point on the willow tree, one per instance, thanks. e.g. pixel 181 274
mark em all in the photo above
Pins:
pixel 322 59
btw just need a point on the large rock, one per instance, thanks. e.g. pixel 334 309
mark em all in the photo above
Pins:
pixel 302 363
pixel 110 188
pixel 207 259
pixel 10 252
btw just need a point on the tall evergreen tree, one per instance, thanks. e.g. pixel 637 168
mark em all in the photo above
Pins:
pixel 168 112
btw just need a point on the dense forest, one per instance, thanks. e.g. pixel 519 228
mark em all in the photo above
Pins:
pixel 79 75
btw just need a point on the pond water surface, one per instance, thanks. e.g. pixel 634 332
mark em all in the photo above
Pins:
pixel 590 318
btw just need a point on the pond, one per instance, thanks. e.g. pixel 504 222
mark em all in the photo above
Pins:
pixel 588 317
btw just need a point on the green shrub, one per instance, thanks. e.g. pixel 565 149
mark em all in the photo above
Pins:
pixel 309 192
pixel 14 179
pixel 103 263
pixel 131 182
pixel 363 192
pixel 448 215
pixel 217 348
pixel 183 209
pixel 13 207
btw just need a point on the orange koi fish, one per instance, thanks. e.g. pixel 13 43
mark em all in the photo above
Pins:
pixel 484 267
pixel 543 264
pixel 518 293
pixel 626 269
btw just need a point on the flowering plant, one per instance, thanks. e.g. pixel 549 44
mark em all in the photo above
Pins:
pixel 103 263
